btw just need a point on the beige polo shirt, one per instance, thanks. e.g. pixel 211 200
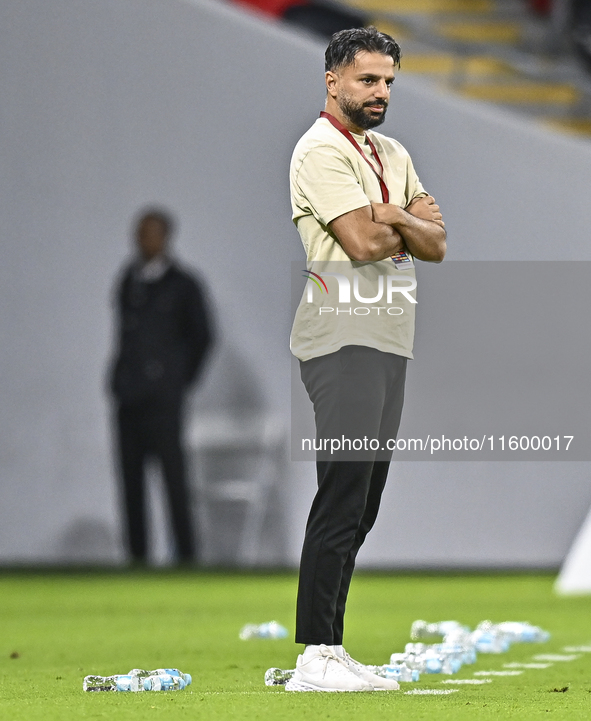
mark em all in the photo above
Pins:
pixel 328 178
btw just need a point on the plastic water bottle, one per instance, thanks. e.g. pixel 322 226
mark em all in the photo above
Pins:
pixel 397 659
pixel 402 673
pixel 523 632
pixel 186 677
pixel 272 629
pixel 423 661
pixel 164 682
pixel 278 676
pixel 416 648
pixel 450 665
pixel 138 675
pixel 139 679
pixel 433 661
pixel 424 658
pixel 119 682
pixel 462 639
pixel 453 656
pixel 422 629
pixel 445 657
pixel 398 672
pixel 141 674
pixel 487 638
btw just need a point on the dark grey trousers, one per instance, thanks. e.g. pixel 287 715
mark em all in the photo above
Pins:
pixel 357 392
pixel 152 430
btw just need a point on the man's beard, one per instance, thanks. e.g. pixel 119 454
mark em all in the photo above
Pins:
pixel 358 115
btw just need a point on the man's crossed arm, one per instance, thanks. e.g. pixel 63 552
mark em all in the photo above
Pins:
pixel 379 230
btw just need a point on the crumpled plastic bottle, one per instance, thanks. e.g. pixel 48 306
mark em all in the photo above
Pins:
pixel 278 676
pixel 118 682
pixel 138 679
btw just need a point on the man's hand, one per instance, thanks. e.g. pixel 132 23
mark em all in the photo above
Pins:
pixel 386 213
pixel 420 226
pixel 426 208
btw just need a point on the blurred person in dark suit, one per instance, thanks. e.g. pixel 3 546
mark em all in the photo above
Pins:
pixel 164 335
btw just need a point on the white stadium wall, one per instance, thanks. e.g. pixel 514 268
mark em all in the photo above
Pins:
pixel 108 105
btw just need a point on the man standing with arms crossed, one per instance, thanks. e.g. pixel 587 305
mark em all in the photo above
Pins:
pixel 358 206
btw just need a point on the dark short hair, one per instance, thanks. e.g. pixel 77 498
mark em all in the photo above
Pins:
pixel 163 216
pixel 345 45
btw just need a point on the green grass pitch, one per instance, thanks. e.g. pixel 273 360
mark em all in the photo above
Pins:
pixel 58 627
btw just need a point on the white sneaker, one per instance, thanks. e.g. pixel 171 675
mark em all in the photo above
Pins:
pixel 325 671
pixel 378 683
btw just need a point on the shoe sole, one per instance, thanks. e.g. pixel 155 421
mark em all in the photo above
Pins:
pixel 377 682
pixel 301 686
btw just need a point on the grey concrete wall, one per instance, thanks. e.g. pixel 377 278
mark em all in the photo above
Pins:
pixel 109 105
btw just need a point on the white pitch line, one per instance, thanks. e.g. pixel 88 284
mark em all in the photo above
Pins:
pixel 527 665
pixel 474 681
pixel 430 691
pixel 577 649
pixel 231 693
pixel 498 673
pixel 556 657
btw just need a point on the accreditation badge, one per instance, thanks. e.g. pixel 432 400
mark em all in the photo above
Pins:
pixel 402 260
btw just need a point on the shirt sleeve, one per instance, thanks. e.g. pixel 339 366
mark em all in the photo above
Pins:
pixel 414 188
pixel 327 186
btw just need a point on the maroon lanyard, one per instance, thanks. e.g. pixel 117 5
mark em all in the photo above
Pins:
pixel 379 175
